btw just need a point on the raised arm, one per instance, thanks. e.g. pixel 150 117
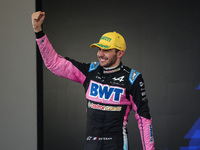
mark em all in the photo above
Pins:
pixel 64 67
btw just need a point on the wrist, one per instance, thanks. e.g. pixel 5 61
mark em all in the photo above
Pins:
pixel 36 30
pixel 39 34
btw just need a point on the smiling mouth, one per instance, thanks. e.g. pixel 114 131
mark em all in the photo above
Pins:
pixel 102 59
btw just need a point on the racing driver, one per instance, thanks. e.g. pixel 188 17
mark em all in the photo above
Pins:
pixel 111 90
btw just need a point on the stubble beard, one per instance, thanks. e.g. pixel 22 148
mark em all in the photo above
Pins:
pixel 110 62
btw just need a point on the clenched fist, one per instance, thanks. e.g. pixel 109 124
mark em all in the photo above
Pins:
pixel 37 20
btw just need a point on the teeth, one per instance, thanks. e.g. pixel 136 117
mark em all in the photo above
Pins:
pixel 101 59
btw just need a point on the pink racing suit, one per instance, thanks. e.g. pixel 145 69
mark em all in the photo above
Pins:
pixel 110 95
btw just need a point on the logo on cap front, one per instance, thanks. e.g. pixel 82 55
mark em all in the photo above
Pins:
pixel 106 38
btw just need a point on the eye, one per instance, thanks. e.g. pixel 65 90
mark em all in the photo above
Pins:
pixel 107 50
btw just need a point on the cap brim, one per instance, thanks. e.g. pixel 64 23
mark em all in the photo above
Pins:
pixel 100 46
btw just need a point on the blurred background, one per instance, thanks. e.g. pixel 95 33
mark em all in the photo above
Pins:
pixel 162 43
pixel 18 82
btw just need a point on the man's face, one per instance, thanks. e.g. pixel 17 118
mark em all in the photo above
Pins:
pixel 107 58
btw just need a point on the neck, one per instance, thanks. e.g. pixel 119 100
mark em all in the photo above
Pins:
pixel 113 66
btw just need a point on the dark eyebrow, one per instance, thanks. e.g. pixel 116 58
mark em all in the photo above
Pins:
pixel 104 49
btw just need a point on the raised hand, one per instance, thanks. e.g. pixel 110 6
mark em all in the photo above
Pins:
pixel 37 20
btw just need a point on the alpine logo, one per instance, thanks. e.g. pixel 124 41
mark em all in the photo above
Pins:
pixel 105 92
pixel 120 79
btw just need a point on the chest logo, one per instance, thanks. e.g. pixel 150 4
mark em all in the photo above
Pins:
pixel 105 92
pixel 103 107
pixel 120 79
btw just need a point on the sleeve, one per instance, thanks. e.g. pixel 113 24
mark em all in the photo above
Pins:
pixel 64 67
pixel 142 115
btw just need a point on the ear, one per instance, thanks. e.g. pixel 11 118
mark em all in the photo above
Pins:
pixel 120 54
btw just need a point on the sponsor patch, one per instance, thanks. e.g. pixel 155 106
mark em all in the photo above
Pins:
pixel 103 107
pixel 98 138
pixel 151 133
pixel 133 75
pixel 94 138
pixel 143 93
pixel 42 41
pixel 141 84
pixel 105 92
pixel 106 38
pixel 93 66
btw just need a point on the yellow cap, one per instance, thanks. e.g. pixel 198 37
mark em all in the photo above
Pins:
pixel 111 40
